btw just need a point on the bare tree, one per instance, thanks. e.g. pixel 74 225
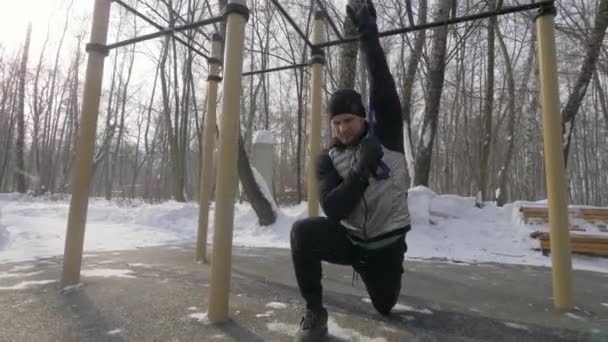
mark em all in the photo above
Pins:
pixel 261 205
pixel 348 52
pixel 511 110
pixel 19 151
pixel 8 113
pixel 407 85
pixel 37 111
pixel 434 89
pixel 52 108
pixel 486 137
pixel 594 43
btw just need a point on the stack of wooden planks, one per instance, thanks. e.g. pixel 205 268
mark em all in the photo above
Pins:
pixel 579 243
pixel 589 214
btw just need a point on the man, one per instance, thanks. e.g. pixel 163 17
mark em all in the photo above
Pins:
pixel 366 206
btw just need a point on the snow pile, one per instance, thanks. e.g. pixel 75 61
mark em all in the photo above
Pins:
pixel 263 137
pixel 35 227
pixel 453 228
pixel 107 273
pixel 446 227
pixel 247 231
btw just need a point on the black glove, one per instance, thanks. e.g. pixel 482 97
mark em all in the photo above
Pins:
pixel 370 154
pixel 364 19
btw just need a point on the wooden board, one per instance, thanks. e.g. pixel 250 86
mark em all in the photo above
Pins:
pixel 579 243
pixel 589 214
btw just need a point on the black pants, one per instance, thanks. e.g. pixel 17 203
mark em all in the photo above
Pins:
pixel 320 239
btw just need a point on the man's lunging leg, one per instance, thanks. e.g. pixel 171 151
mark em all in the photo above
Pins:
pixel 382 276
pixel 314 240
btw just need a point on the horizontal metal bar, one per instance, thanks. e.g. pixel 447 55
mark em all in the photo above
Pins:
pixel 180 17
pixel 293 23
pixel 153 23
pixel 503 11
pixel 264 71
pixel 165 32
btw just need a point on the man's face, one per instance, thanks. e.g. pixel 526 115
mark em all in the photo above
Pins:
pixel 347 127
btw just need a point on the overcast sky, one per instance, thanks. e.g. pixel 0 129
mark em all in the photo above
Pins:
pixel 45 15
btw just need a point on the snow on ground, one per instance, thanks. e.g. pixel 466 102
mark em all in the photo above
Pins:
pixel 336 331
pixel 25 284
pixel 445 227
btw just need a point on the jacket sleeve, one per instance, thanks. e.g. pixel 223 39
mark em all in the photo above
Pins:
pixel 338 196
pixel 384 98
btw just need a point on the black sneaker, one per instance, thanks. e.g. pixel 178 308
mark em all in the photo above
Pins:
pixel 313 326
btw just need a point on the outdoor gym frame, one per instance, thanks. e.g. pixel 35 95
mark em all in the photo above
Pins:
pixel 236 14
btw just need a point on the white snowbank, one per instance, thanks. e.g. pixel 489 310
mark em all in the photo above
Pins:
pixel 445 227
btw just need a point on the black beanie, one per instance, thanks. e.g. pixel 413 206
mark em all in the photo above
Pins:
pixel 346 101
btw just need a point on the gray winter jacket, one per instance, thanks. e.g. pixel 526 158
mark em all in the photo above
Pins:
pixel 383 206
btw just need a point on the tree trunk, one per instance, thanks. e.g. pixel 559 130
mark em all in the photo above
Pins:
pixel 433 99
pixel 260 204
pixel 72 113
pixel 602 98
pixel 486 135
pixel 504 170
pixel 300 77
pixel 7 144
pixel 48 138
pixel 37 111
pixel 407 87
pixel 19 151
pixel 178 191
pixel 121 126
pixel 348 52
pixel 594 44
pixel 110 128
pixel 8 97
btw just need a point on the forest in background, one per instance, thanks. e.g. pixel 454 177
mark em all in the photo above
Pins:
pixel 469 95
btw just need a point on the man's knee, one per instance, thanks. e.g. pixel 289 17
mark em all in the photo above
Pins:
pixel 385 305
pixel 385 300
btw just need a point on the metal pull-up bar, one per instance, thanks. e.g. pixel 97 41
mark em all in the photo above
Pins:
pixel 291 21
pixel 165 32
pixel 159 27
pixel 502 11
pixel 286 67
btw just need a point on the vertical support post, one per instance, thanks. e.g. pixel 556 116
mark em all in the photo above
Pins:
pixel 314 137
pixel 563 297
pixel 85 146
pixel 207 148
pixel 237 15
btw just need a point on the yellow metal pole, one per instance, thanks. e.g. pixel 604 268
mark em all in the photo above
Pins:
pixel 219 291
pixel 85 146
pixel 563 297
pixel 314 136
pixel 207 179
